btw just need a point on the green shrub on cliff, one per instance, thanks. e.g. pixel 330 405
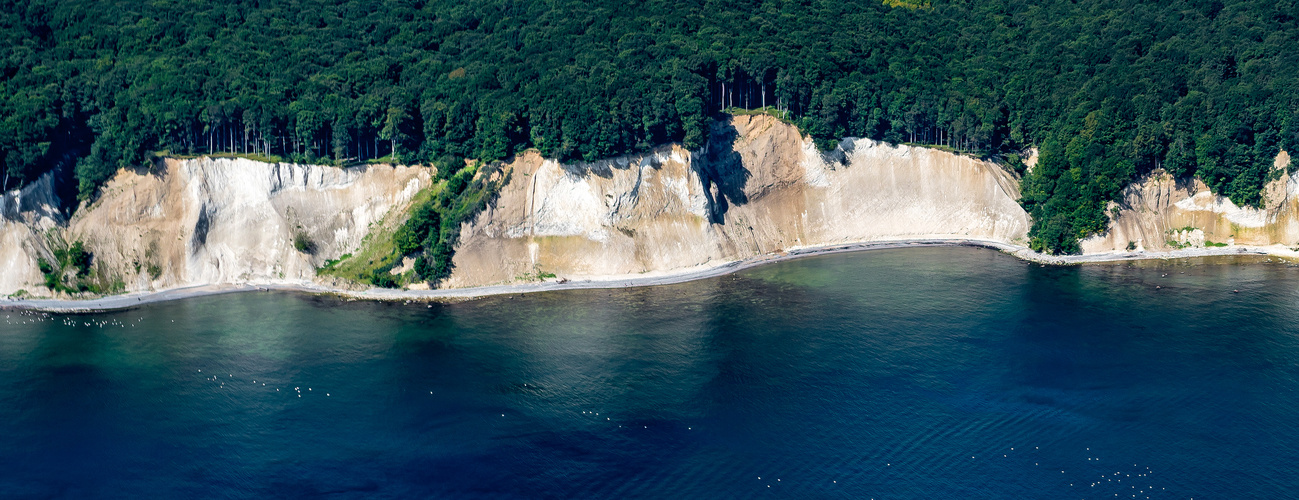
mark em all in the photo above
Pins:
pixel 429 233
pixel 70 272
pixel 302 242
pixel 436 224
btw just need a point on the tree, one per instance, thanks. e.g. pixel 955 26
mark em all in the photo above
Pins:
pixel 392 129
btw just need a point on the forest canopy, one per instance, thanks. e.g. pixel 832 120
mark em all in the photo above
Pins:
pixel 1107 89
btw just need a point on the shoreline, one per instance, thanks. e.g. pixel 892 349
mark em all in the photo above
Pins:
pixel 137 299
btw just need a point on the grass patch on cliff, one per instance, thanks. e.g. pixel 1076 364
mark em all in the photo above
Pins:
pixel 536 275
pixel 771 111
pixel 264 158
pixel 429 232
pixel 378 252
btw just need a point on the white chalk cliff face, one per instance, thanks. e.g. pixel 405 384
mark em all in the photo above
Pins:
pixel 26 215
pixel 216 221
pixel 759 187
pixel 1160 213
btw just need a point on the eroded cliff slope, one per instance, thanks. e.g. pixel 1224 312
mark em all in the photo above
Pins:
pixel 1160 213
pixel 758 187
pixel 26 217
pixel 211 221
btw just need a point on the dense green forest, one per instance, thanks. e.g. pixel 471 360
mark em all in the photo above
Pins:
pixel 1107 89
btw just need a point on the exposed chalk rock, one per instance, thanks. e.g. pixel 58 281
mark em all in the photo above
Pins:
pixel 758 187
pixel 26 216
pixel 1161 213
pixel 213 221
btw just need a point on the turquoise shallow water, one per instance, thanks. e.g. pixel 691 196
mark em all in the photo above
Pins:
pixel 913 373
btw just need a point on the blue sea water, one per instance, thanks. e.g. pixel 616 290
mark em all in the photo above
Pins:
pixel 892 374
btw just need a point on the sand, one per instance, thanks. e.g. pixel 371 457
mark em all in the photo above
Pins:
pixel 132 300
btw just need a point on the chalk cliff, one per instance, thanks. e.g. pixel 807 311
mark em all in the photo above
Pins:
pixel 26 217
pixel 209 221
pixel 758 187
pixel 1159 213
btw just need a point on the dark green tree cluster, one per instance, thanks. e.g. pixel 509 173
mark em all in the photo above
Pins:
pixel 1109 89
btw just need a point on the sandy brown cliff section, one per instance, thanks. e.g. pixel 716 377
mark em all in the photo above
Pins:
pixel 759 187
pixel 1160 213
pixel 212 221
